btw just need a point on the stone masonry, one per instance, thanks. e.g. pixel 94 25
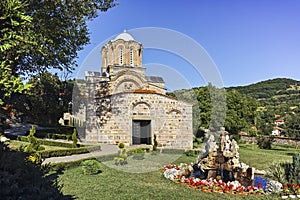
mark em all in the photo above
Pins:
pixel 128 106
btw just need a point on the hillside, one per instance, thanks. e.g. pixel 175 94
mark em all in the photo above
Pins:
pixel 273 91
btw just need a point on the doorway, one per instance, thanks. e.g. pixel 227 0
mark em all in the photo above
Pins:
pixel 141 132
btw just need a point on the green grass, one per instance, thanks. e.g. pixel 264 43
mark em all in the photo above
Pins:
pixel 262 158
pixel 115 183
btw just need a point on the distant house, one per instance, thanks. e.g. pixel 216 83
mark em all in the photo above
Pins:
pixel 279 122
pixel 277 130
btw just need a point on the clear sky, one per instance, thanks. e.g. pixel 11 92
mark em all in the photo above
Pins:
pixel 248 40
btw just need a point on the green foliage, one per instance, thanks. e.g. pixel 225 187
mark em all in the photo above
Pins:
pixel 292 125
pixel 68 151
pixel 14 33
pixel 49 142
pixel 74 139
pixel 212 104
pixel 33 147
pixel 190 153
pixel 137 154
pixel 292 170
pixel 197 142
pixel 154 143
pixel 90 167
pixel 21 179
pixel 121 145
pixel 236 137
pixel 276 172
pixel 121 158
pixel 268 88
pixel 264 142
pixel 37 36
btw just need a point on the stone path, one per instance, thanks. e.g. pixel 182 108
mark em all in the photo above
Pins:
pixel 106 149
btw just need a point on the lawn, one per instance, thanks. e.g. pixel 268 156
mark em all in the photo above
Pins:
pixel 115 183
pixel 262 158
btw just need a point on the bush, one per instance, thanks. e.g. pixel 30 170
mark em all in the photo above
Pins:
pixel 265 142
pixel 74 139
pixel 90 167
pixel 276 172
pixel 292 170
pixel 190 153
pixel 137 154
pixel 49 142
pixel 121 158
pixel 68 151
pixel 21 179
pixel 197 142
pixel 121 145
pixel 154 143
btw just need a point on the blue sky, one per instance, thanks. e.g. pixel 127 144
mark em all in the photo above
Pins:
pixel 248 41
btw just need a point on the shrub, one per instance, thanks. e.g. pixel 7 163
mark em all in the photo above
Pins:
pixel 137 154
pixel 121 158
pixel 90 167
pixel 265 142
pixel 21 179
pixel 154 143
pixel 74 139
pixel 68 151
pixel 50 143
pixel 197 142
pixel 190 153
pixel 121 145
pixel 33 147
pixel 276 172
pixel 292 170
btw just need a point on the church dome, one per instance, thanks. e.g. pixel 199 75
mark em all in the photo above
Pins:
pixel 124 36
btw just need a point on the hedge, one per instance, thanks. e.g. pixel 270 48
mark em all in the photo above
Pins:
pixel 66 165
pixel 50 143
pixel 68 151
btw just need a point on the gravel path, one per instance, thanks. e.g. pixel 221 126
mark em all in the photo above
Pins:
pixel 106 149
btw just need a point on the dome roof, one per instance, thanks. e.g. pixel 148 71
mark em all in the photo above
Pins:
pixel 124 36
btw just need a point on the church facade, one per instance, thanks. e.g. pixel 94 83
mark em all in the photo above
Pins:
pixel 130 107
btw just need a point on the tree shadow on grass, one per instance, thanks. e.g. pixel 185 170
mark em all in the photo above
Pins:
pixel 22 179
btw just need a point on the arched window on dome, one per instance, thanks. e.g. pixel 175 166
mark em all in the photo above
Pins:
pixel 121 56
pixel 131 57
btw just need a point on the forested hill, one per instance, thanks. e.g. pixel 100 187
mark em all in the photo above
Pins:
pixel 270 88
pixel 273 91
pixel 256 105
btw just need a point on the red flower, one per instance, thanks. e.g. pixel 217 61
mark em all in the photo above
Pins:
pixel 285 186
pixel 259 186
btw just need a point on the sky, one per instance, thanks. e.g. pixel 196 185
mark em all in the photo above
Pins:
pixel 247 41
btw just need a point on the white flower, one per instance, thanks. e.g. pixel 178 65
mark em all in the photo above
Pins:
pixel 273 187
pixel 171 173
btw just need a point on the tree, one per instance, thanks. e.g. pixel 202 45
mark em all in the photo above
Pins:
pixel 36 36
pixel 14 34
pixel 59 31
pixel 241 111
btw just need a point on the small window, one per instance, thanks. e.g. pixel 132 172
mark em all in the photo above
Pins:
pixel 131 57
pixel 121 56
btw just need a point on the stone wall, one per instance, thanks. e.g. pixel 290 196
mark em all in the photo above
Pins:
pixel 171 120
pixel 277 140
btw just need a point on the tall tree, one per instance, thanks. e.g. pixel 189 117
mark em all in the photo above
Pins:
pixel 36 36
pixel 14 34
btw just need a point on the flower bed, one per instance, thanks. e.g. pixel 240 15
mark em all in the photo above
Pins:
pixel 261 186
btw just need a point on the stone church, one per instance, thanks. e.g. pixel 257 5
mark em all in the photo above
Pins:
pixel 128 106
